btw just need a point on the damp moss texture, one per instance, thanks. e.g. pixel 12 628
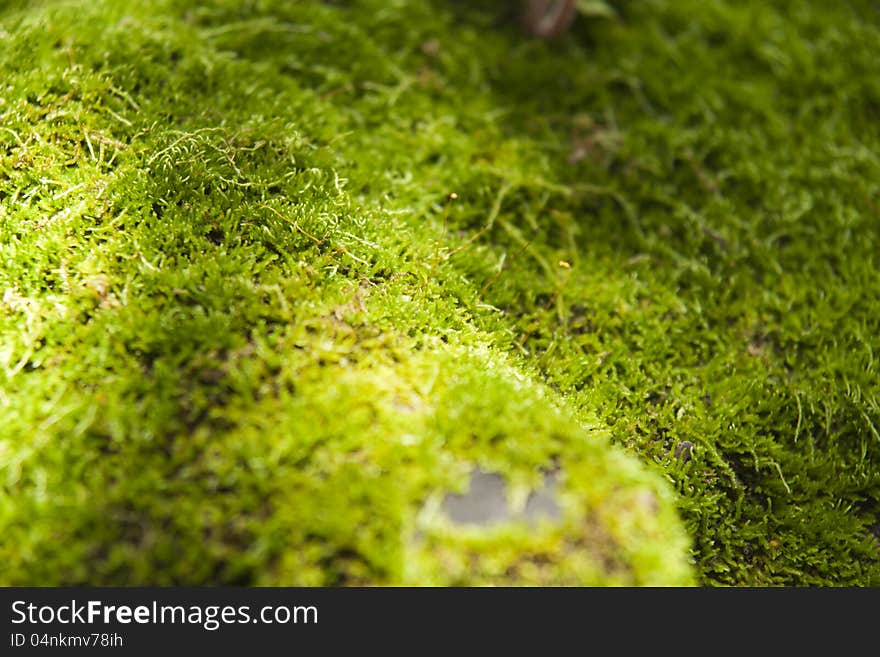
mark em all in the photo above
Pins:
pixel 277 277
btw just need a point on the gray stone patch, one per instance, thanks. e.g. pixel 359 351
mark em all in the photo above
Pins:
pixel 684 450
pixel 485 503
pixel 542 502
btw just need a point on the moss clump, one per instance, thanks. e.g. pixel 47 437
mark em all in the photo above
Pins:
pixel 249 337
pixel 234 352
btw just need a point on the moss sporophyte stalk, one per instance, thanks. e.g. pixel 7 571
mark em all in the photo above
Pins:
pixel 359 293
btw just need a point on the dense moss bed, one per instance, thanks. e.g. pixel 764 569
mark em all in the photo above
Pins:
pixel 278 277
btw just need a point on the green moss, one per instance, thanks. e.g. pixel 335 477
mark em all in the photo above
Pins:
pixel 248 337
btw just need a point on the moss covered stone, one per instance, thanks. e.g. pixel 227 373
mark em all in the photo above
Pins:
pixel 278 277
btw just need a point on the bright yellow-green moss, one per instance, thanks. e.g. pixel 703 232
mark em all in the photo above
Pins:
pixel 276 277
